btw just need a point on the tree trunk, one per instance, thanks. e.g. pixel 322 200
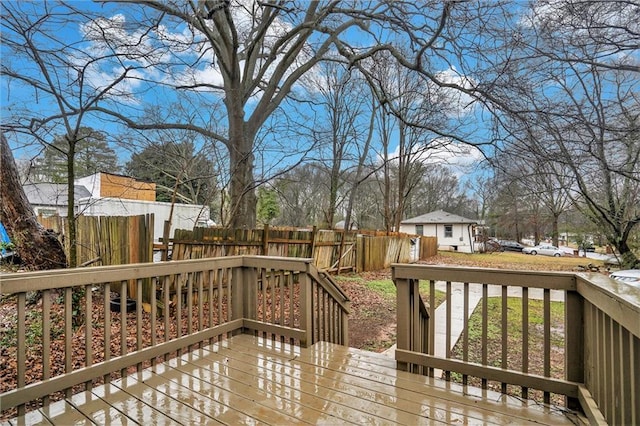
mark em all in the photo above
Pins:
pixel 71 201
pixel 242 194
pixel 242 197
pixel 333 194
pixel 628 259
pixel 38 248
pixel 555 233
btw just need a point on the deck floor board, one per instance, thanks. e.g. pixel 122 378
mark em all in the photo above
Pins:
pixel 250 380
pixel 374 397
pixel 439 399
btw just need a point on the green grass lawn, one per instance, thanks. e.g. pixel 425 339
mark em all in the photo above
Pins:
pixel 514 329
pixel 387 289
pixel 515 340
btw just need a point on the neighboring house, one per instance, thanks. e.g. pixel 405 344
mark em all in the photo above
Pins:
pixel 340 225
pixel 454 232
pixel 105 194
pixel 50 199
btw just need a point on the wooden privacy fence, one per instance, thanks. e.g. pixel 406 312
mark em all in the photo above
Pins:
pixel 428 247
pixel 331 250
pixel 107 240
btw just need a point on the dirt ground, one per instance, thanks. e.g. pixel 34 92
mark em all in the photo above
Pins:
pixel 372 320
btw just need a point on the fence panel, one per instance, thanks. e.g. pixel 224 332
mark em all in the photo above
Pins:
pixel 332 250
pixel 428 247
pixel 107 240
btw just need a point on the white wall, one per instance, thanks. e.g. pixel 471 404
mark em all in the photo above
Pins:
pixel 185 216
pixel 460 238
pixel 47 211
pixel 92 183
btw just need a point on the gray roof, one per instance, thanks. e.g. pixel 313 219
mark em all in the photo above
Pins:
pixel 439 216
pixel 52 194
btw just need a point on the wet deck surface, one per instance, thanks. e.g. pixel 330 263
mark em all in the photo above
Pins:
pixel 249 380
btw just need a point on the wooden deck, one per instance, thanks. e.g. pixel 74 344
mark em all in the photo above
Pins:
pixel 248 380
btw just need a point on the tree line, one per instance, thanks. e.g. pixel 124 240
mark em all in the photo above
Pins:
pixel 318 111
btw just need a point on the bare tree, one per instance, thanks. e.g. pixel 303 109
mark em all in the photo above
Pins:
pixel 408 100
pixel 543 186
pixel 599 33
pixel 300 195
pixel 341 101
pixel 576 109
pixel 62 72
pixel 246 60
pixel 437 188
pixel 38 248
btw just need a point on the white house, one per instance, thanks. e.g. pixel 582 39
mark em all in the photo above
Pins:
pixel 50 199
pixel 105 194
pixel 455 233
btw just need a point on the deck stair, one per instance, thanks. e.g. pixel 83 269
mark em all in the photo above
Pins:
pixel 248 379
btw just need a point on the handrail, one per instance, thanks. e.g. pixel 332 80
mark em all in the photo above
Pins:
pixel 565 281
pixel 330 285
pixel 601 334
pixel 61 278
pixel 198 302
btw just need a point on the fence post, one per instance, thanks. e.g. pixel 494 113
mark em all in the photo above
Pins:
pixel 359 266
pixel 574 342
pixel 342 234
pixel 344 322
pixel 250 283
pixel 314 235
pixel 265 240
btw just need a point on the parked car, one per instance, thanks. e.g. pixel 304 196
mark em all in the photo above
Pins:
pixel 629 276
pixel 506 245
pixel 545 249
pixel 587 248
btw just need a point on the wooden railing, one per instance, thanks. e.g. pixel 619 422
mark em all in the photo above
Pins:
pixel 592 324
pixel 198 302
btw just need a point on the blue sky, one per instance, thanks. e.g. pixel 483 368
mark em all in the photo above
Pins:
pixel 135 95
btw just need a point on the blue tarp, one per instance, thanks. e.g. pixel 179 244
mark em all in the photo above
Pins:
pixel 4 238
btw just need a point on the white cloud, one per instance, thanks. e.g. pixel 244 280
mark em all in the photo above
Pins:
pixel 175 57
pixel 457 102
pixel 458 157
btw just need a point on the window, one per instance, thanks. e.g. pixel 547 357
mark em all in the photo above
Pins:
pixel 448 231
pixel 419 229
pixel 47 212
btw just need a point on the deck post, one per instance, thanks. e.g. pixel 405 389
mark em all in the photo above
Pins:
pixel 237 294
pixel 403 312
pixel 344 325
pixel 306 308
pixel 574 342
pixel 250 283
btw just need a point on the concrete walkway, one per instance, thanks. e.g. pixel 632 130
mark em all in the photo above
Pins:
pixel 458 317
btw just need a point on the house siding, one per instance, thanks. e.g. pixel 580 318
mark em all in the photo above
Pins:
pixel 461 239
pixel 128 198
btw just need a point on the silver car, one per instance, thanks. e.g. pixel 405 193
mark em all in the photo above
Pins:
pixel 545 249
